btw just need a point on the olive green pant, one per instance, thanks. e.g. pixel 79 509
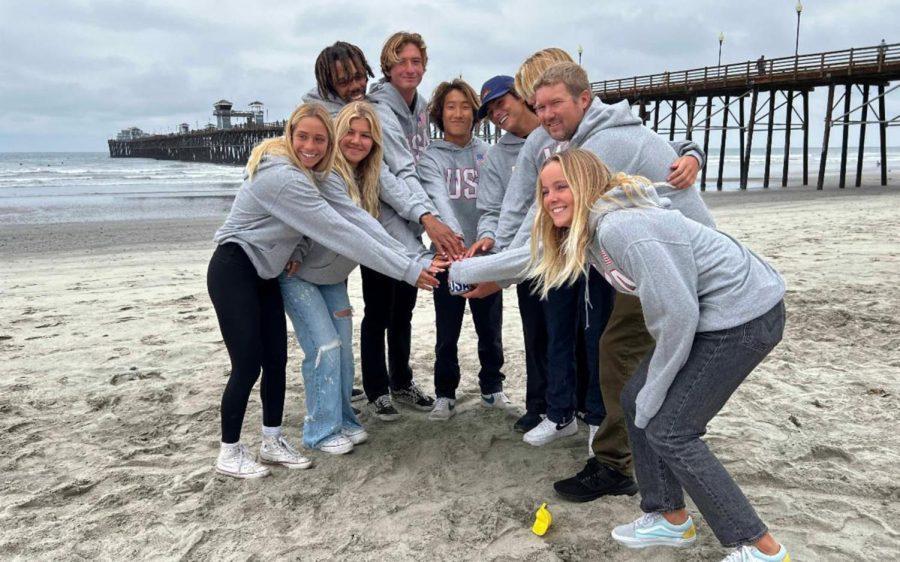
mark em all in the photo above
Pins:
pixel 623 344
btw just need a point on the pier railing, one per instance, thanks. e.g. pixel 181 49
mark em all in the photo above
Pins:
pixel 807 70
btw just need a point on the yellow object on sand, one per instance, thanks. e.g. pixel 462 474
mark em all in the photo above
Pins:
pixel 542 520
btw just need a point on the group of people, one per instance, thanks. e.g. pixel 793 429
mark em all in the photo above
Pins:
pixel 638 316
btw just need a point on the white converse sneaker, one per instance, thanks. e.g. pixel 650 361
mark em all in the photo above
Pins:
pixel 496 400
pixel 652 529
pixel 336 445
pixel 356 435
pixel 276 450
pixel 753 554
pixel 444 409
pixel 237 462
pixel 548 431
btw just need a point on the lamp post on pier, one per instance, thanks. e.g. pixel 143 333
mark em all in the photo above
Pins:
pixel 721 38
pixel 580 50
pixel 799 8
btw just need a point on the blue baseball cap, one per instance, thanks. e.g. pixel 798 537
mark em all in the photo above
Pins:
pixel 493 89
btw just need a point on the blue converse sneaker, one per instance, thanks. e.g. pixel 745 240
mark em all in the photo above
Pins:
pixel 652 529
pixel 753 554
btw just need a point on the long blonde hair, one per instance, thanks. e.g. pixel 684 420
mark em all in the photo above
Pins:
pixel 282 146
pixel 534 66
pixel 363 179
pixel 563 258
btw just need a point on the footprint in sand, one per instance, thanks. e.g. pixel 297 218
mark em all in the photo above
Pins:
pixel 153 339
pixel 135 375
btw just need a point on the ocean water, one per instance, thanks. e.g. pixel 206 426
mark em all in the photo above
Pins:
pixel 46 188
pixel 57 187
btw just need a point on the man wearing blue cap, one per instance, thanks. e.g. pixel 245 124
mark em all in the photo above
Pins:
pixel 508 111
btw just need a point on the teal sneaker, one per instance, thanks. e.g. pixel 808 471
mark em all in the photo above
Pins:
pixel 753 554
pixel 652 529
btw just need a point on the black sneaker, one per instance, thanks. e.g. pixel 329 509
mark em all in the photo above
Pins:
pixel 383 409
pixel 595 480
pixel 528 422
pixel 357 394
pixel 413 397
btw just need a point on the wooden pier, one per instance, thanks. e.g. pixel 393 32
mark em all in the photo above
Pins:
pixel 218 146
pixel 696 101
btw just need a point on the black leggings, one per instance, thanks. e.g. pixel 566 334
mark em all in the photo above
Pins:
pixel 251 317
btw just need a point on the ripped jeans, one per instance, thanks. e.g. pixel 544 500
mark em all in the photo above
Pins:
pixel 323 323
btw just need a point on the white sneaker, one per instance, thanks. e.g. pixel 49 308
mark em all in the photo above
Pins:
pixel 444 409
pixel 237 462
pixel 652 529
pixel 548 431
pixel 276 450
pixel 496 400
pixel 336 445
pixel 753 554
pixel 356 435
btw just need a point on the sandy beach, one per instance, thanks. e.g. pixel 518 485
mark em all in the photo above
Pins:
pixel 112 368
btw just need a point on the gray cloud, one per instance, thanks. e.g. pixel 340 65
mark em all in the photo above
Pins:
pixel 73 73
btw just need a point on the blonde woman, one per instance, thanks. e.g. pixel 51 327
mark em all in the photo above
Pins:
pixel 714 309
pixel 276 208
pixel 315 290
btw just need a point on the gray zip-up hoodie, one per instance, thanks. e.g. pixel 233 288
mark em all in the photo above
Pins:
pixel 450 175
pixel 498 168
pixel 511 266
pixel 273 211
pixel 323 266
pixel 400 187
pixel 689 278
pixel 613 133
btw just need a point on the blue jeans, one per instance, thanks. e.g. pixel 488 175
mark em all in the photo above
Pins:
pixel 573 347
pixel 670 457
pixel 326 337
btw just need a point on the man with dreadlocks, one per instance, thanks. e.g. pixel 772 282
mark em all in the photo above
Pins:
pixel 342 73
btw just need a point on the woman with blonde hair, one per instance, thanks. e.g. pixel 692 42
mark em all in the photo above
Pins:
pixel 315 289
pixel 715 310
pixel 276 208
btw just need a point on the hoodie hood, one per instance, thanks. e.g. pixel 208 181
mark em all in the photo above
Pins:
pixel 617 200
pixel 600 116
pixel 332 104
pixel 385 92
pixel 511 140
pixel 441 144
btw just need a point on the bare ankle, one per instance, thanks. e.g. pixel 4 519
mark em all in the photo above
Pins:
pixel 677 517
pixel 768 545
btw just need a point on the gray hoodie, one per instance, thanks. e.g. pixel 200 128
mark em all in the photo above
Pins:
pixel 400 187
pixel 511 266
pixel 273 211
pixel 450 174
pixel 498 168
pixel 689 278
pixel 405 136
pixel 613 133
pixel 323 266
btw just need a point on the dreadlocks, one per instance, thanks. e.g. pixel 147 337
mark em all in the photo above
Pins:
pixel 348 55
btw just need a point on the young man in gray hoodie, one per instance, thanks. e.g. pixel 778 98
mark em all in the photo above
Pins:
pixel 342 74
pixel 508 111
pixel 450 171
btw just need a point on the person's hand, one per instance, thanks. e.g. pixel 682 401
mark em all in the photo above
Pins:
pixel 427 281
pixel 484 245
pixel 445 240
pixel 438 265
pixel 482 290
pixel 684 172
pixel 292 267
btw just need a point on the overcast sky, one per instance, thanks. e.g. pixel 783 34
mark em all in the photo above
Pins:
pixel 72 73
